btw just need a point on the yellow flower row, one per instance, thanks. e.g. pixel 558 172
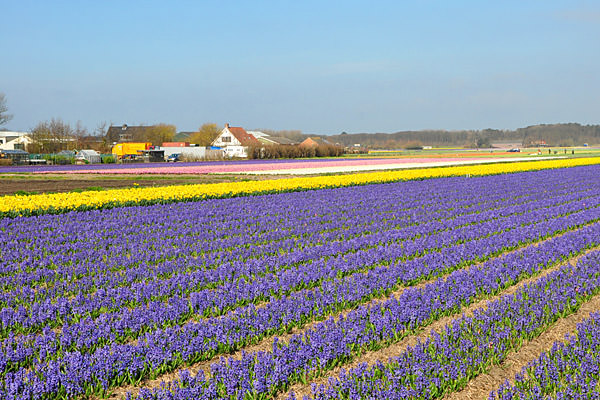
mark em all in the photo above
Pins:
pixel 60 202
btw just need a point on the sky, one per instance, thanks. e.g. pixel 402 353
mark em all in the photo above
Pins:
pixel 322 67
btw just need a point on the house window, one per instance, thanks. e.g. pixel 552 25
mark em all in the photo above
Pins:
pixel 226 139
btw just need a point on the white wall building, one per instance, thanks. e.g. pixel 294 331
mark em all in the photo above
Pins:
pixel 258 134
pixel 235 141
pixel 14 140
pixel 189 151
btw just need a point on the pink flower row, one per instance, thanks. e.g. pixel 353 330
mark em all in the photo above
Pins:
pixel 249 167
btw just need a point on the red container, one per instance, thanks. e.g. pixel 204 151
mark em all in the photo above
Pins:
pixel 176 144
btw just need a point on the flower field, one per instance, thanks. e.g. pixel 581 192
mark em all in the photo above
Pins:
pixel 373 286
pixel 571 369
pixel 61 202
pixel 258 166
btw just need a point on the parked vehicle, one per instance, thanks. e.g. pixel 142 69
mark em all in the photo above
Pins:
pixel 173 157
pixel 129 151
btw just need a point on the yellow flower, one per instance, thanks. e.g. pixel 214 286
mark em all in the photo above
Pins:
pixel 57 202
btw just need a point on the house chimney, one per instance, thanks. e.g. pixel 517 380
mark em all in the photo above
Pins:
pixel 227 125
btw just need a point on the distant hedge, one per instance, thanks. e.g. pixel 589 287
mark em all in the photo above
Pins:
pixel 293 151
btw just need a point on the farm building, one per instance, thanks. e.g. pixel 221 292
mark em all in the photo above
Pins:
pixel 67 153
pixel 126 133
pixel 91 156
pixel 192 152
pixel 271 140
pixel 183 136
pixel 235 141
pixel 258 134
pixel 267 139
pixel 315 141
pixel 14 140
pixel 17 156
pixel 176 144
pixel 180 153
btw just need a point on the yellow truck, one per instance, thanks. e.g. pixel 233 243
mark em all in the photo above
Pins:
pixel 129 150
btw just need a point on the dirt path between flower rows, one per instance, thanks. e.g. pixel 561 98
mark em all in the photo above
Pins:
pixel 267 343
pixel 261 304
pixel 438 326
pixel 481 386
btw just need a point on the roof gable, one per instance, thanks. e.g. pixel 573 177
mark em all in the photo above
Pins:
pixel 242 136
pixel 89 152
pixel 126 133
pixel 276 140
pixel 258 134
pixel 315 141
pixel 239 134
pixel 182 136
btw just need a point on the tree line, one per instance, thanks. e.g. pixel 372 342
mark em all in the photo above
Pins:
pixel 56 135
pixel 563 135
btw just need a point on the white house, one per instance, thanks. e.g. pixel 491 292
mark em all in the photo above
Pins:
pixel 235 141
pixel 14 140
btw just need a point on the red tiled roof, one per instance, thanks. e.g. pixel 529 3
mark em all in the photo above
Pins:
pixel 314 141
pixel 245 138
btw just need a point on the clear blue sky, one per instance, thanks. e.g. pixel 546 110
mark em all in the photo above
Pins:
pixel 318 66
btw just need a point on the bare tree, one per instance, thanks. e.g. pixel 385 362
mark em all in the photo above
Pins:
pixel 101 129
pixel 80 134
pixel 101 132
pixel 4 116
pixel 51 137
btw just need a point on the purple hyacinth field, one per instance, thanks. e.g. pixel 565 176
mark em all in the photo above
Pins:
pixel 451 288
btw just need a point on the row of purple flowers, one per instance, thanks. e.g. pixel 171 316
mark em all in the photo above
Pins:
pixel 298 290
pixel 367 253
pixel 163 350
pixel 88 335
pixel 470 345
pixel 120 326
pixel 444 233
pixel 443 363
pixel 568 371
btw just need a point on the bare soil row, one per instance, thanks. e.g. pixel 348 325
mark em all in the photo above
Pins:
pixel 482 384
pixel 438 326
pixel 37 184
